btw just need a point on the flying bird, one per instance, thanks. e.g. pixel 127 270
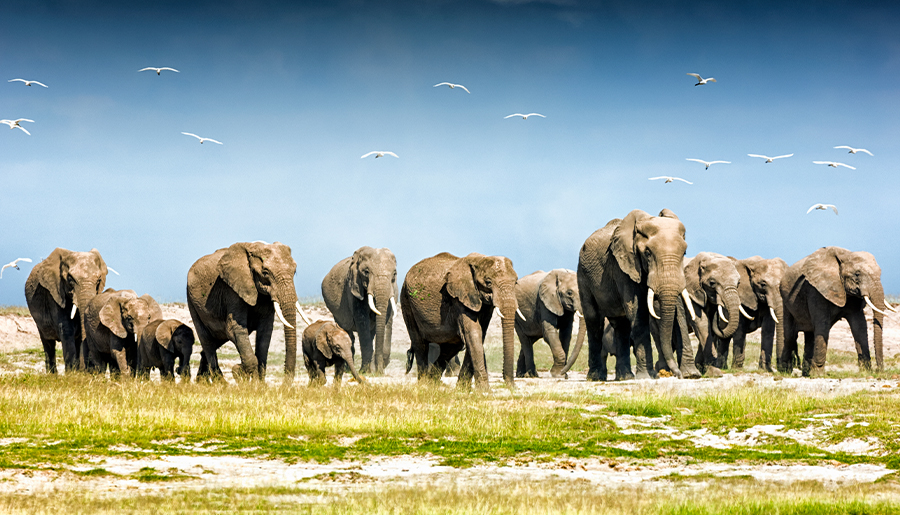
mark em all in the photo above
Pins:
pixel 111 270
pixel 28 82
pixel 855 150
pixel 380 154
pixel 833 164
pixel 700 80
pixel 14 124
pixel 460 86
pixel 524 116
pixel 670 179
pixel 201 139
pixel 158 70
pixel 708 163
pixel 769 159
pixel 822 207
pixel 14 264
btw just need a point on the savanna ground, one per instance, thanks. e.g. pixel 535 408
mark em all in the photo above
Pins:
pixel 749 442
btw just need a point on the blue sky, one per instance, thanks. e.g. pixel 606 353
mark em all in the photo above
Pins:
pixel 297 92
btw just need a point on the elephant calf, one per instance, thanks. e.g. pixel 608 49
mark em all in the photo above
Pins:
pixel 161 342
pixel 325 344
pixel 114 321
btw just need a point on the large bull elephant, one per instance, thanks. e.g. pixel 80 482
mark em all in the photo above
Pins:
pixel 58 289
pixel 623 269
pixel 239 290
pixel 360 291
pixel 830 284
pixel 712 282
pixel 114 322
pixel 549 303
pixel 449 301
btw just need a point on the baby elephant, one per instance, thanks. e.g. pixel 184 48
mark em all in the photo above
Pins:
pixel 161 342
pixel 326 344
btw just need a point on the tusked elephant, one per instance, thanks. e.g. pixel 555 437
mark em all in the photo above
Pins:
pixel 161 342
pixel 830 284
pixel 623 269
pixel 57 289
pixel 114 321
pixel 239 290
pixel 360 292
pixel 325 344
pixel 549 302
pixel 713 283
pixel 449 301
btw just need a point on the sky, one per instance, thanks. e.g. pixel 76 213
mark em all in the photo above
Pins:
pixel 298 91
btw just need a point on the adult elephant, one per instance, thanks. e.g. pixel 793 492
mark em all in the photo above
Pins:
pixel 830 284
pixel 59 288
pixel 449 301
pixel 114 322
pixel 549 302
pixel 712 282
pixel 360 291
pixel 239 290
pixel 623 269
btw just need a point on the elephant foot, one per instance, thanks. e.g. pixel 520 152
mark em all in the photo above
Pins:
pixel 714 372
pixel 530 374
pixel 690 372
pixel 239 374
pixel 641 374
pixel 865 365
pixel 596 375
pixel 364 368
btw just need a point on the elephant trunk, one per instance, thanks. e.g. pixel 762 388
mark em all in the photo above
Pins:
pixel 731 301
pixel 505 300
pixel 287 296
pixel 878 325
pixel 668 305
pixel 579 341
pixel 382 304
pixel 347 356
pixel 81 298
pixel 776 308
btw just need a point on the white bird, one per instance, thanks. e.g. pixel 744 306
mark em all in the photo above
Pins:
pixel 201 139
pixel 670 179
pixel 380 154
pixel 524 116
pixel 855 150
pixel 833 164
pixel 822 207
pixel 460 86
pixel 708 163
pixel 14 124
pixel 14 264
pixel 701 80
pixel 158 70
pixel 769 159
pixel 111 270
pixel 28 82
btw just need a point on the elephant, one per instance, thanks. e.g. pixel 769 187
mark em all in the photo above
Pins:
pixel 114 321
pixel 239 290
pixel 549 302
pixel 449 301
pixel 623 269
pixel 713 283
pixel 325 343
pixel 161 342
pixel 820 289
pixel 360 292
pixel 57 289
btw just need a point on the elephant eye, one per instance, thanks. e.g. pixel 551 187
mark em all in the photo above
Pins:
pixel 487 282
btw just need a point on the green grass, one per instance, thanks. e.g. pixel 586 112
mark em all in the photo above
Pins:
pixel 21 311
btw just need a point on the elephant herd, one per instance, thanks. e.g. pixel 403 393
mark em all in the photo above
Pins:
pixel 633 284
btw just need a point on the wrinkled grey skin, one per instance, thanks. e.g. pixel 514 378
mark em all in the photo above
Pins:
pixel 549 301
pixel 161 343
pixel 231 293
pixel 822 288
pixel 449 301
pixel 346 289
pixel 712 281
pixel 325 344
pixel 616 266
pixel 113 322
pixel 55 285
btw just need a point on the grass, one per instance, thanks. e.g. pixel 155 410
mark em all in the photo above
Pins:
pixel 21 311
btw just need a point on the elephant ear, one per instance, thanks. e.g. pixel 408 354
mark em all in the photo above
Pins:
pixel 155 311
pixel 667 213
pixel 622 244
pixel 322 342
pixel 822 270
pixel 745 287
pixel 548 292
pixel 103 269
pixel 234 269
pixel 164 332
pixel 51 275
pixel 354 276
pixel 111 316
pixel 692 281
pixel 461 282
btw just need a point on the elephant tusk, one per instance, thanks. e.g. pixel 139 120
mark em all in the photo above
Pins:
pixel 300 312
pixel 892 308
pixel 689 302
pixel 497 310
pixel 519 312
pixel 394 306
pixel 74 308
pixel 372 305
pixel 722 314
pixel 869 302
pixel 579 314
pixel 650 303
pixel 741 307
pixel 281 316
pixel 772 312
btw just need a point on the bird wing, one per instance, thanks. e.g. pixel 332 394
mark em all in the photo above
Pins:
pixel 786 155
pixel 821 162
pixel 441 84
pixel 170 69
pixel 723 162
pixel 23 120
pixel 367 155
pixel 22 129
pixel 514 114
pixel 39 83
pixel 810 210
pixel 27 260
pixel 682 180
pixel 710 79
pixel 191 134
pixel 833 207
pixel 2 269
pixel 657 178
pixel 17 80
pixel 391 154
pixel 845 166
pixel 111 270
pixel 463 87
pixel 696 75
pixel 864 150
pixel 535 114
pixel 147 68
pixel 845 147
pixel 697 160
pixel 214 141
pixel 758 155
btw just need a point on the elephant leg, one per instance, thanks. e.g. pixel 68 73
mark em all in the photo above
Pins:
pixel 466 372
pixel 594 323
pixel 239 334
pixel 338 373
pixel 70 346
pixel 364 326
pixel 722 350
pixel 766 342
pixel 525 364
pixel 685 350
pixel 553 336
pixel 471 333
pixel 815 349
pixel 263 341
pixel 785 359
pixel 860 333
pixel 622 345
pixel 643 351
pixel 49 355
pixel 388 331
pixel 739 340
pixel 119 353
pixel 167 372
